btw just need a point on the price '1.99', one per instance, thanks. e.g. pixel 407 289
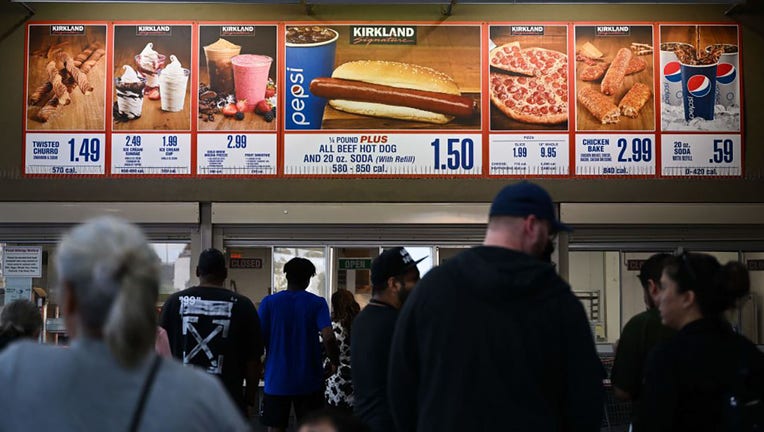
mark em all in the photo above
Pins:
pixel 89 149
pixel 460 153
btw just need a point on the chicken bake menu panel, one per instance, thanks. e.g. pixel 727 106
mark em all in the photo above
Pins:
pixel 534 99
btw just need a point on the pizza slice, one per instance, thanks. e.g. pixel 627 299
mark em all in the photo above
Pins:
pixel 536 100
pixel 509 57
pixel 544 61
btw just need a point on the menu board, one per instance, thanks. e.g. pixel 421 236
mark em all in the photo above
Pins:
pixel 383 99
pixel 65 98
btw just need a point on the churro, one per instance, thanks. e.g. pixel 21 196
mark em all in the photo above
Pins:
pixel 59 89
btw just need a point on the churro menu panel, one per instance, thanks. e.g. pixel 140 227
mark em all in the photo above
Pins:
pixel 615 106
pixel 528 89
pixel 355 85
pixel 700 93
pixel 151 88
pixel 65 96
pixel 237 96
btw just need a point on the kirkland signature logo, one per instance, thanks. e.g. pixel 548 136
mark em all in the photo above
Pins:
pixel 153 30
pixel 383 35
pixel 67 30
pixel 527 30
pixel 237 30
pixel 613 30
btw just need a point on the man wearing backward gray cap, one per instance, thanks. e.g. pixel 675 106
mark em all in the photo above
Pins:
pixel 494 339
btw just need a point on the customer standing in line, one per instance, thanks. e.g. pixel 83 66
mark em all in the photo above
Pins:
pixel 110 379
pixel 19 320
pixel 292 321
pixel 707 377
pixel 339 386
pixel 394 275
pixel 494 339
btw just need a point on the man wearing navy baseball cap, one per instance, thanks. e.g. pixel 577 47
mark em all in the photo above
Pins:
pixel 497 325
pixel 393 275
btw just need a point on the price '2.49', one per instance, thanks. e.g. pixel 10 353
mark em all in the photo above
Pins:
pixel 459 155
pixel 89 150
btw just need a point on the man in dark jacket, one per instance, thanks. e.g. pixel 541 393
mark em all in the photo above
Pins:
pixel 494 339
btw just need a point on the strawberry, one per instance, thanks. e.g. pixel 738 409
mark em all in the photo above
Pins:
pixel 270 92
pixel 230 110
pixel 242 106
pixel 262 107
pixel 153 94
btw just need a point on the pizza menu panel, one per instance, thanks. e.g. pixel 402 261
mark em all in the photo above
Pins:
pixel 255 99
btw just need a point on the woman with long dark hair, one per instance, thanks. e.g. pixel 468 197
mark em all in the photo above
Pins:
pixel 339 386
pixel 707 377
pixel 20 319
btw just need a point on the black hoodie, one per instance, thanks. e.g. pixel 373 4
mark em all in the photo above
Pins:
pixel 494 340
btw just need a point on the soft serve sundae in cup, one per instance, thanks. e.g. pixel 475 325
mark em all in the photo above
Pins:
pixel 129 93
pixel 149 64
pixel 172 85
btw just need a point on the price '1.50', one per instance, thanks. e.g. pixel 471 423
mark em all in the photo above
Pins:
pixel 89 150
pixel 460 154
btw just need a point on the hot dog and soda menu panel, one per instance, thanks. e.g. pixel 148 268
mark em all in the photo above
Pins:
pixel 256 99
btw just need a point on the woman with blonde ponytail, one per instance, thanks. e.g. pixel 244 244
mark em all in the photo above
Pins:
pixel 110 379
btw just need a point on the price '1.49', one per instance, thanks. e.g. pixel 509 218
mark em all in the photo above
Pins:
pixel 460 153
pixel 89 149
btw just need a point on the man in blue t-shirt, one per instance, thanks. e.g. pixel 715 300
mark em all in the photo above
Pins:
pixel 291 322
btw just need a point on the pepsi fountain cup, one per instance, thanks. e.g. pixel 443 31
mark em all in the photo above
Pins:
pixel 698 85
pixel 310 54
pixel 671 73
pixel 727 84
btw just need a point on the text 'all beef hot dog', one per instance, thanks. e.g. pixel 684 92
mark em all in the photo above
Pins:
pixel 394 90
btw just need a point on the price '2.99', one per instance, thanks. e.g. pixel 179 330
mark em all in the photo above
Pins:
pixel 641 150
pixel 460 154
pixel 89 150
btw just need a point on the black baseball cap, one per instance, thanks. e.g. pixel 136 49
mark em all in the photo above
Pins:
pixel 390 263
pixel 525 199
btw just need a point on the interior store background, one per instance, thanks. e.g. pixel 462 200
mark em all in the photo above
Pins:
pixel 342 223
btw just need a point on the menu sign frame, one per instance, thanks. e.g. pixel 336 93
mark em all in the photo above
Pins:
pixel 107 125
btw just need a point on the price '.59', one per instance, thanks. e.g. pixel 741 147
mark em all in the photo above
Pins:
pixel 460 153
pixel 723 151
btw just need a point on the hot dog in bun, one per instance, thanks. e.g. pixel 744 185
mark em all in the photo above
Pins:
pixel 394 90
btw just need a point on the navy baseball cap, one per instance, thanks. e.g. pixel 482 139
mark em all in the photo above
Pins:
pixel 524 199
pixel 390 263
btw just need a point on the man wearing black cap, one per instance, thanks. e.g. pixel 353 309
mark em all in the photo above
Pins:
pixel 494 339
pixel 393 275
pixel 216 329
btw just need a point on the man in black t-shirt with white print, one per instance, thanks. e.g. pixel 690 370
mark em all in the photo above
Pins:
pixel 216 329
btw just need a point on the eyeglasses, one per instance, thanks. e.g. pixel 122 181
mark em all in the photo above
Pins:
pixel 684 258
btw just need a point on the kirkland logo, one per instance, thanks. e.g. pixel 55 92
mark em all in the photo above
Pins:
pixel 613 30
pixel 153 30
pixel 67 30
pixel 527 30
pixel 244 30
pixel 382 35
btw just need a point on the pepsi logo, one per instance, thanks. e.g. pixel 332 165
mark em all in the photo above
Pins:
pixel 698 85
pixel 297 90
pixel 672 71
pixel 725 73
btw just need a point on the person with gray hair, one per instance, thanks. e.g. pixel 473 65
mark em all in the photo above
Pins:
pixel 20 319
pixel 110 379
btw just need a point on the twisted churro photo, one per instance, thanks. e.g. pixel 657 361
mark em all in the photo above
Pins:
pixel 66 77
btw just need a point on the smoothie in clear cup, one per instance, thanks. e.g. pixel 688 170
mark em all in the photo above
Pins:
pixel 219 65
pixel 172 85
pixel 149 64
pixel 250 74
pixel 129 88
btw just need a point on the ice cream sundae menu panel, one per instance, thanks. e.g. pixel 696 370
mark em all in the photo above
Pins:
pixel 379 99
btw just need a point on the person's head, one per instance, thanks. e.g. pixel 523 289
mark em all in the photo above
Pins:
pixel 298 272
pixel 109 277
pixel 211 269
pixel 393 275
pixel 650 278
pixel 331 420
pixel 344 308
pixel 695 285
pixel 20 319
pixel 522 218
